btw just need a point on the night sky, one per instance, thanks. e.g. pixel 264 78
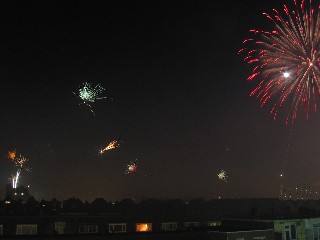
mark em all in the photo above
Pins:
pixel 180 102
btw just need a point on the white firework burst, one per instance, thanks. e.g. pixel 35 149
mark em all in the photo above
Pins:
pixel 89 94
pixel 223 175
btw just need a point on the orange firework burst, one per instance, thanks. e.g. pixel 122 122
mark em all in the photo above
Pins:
pixel 12 155
pixel 114 144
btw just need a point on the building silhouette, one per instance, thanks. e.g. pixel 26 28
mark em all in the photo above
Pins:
pixel 18 193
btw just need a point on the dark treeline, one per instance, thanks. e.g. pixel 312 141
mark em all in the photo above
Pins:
pixel 150 208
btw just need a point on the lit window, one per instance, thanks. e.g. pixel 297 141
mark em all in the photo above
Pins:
pixel 59 227
pixel 214 223
pixel 169 226
pixel 27 229
pixel 117 227
pixel 144 227
pixel 88 228
pixel 1 229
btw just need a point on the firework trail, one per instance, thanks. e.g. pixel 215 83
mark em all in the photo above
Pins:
pixel 89 94
pixel 112 145
pixel 131 167
pixel 286 59
pixel 223 175
pixel 15 178
pixel 18 162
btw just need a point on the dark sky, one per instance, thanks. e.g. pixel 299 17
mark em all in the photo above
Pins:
pixel 180 105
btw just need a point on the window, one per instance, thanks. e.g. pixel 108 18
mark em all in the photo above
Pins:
pixel 59 227
pixel 191 224
pixel 316 231
pixel 117 227
pixel 259 238
pixel 143 227
pixel 290 232
pixel 169 226
pixel 1 229
pixel 214 224
pixel 27 229
pixel 88 228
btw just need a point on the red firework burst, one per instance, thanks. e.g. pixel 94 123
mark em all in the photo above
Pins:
pixel 286 59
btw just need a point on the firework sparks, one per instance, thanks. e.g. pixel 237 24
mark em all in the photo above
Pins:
pixel 132 167
pixel 222 175
pixel 15 178
pixel 18 162
pixel 112 145
pixel 287 59
pixel 89 94
pixel 12 155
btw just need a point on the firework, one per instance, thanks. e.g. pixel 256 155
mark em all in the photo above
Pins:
pixel 299 193
pixel 132 167
pixel 18 162
pixel 15 178
pixel 12 155
pixel 286 59
pixel 222 175
pixel 112 145
pixel 89 94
